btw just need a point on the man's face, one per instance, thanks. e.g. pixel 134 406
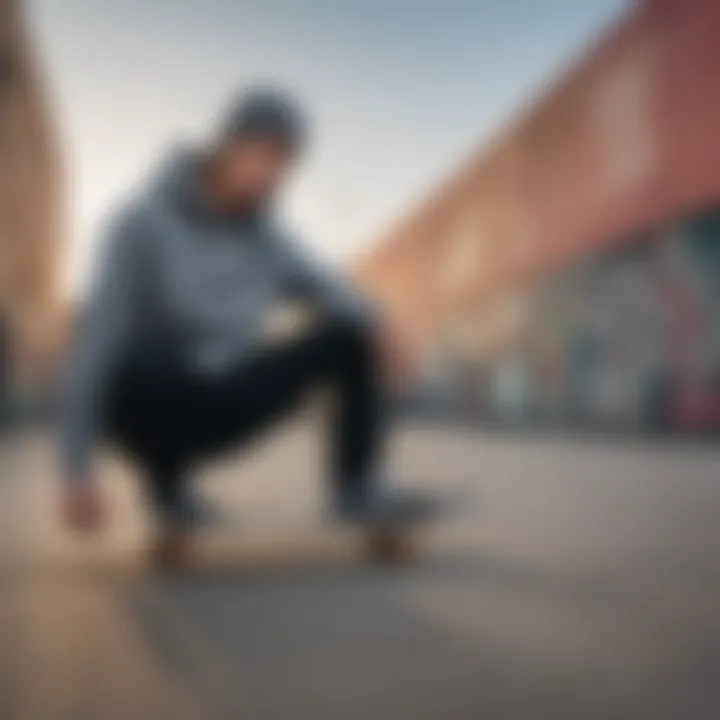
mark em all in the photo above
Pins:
pixel 255 168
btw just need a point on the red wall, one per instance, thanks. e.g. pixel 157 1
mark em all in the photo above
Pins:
pixel 629 138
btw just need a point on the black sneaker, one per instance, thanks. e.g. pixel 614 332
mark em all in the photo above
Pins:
pixel 389 507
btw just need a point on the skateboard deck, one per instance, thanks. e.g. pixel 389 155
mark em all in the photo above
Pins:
pixel 301 539
pixel 311 544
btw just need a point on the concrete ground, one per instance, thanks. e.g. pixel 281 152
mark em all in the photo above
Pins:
pixel 585 583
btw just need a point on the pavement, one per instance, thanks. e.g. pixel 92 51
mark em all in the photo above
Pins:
pixel 583 582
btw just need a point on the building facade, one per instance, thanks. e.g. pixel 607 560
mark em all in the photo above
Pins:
pixel 571 270
pixel 30 218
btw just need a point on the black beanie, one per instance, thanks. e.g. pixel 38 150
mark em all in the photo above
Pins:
pixel 264 111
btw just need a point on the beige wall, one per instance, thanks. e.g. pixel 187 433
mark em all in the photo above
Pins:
pixel 30 219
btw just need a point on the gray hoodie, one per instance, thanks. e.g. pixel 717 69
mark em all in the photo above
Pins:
pixel 171 265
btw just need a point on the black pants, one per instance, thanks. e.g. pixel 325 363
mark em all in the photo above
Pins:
pixel 169 419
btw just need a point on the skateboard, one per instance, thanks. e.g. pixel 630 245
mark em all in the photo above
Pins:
pixel 310 545
pixel 299 540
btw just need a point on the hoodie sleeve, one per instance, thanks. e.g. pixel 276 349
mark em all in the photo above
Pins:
pixel 335 294
pixel 105 327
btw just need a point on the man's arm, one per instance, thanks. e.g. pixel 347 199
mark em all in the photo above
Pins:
pixel 334 294
pixel 106 325
pixel 337 297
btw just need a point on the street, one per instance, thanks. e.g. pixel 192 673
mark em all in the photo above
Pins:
pixel 583 581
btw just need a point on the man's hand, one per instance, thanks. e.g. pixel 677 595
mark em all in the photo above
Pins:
pixel 82 508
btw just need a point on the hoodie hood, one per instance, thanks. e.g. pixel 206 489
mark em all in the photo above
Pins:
pixel 176 179
pixel 178 183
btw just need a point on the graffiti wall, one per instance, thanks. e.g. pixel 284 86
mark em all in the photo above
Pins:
pixel 628 339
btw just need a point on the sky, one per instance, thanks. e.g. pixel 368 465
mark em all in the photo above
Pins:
pixel 399 92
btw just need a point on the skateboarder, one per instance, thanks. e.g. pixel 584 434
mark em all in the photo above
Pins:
pixel 170 363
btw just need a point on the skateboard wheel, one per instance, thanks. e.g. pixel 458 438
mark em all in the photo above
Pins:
pixel 172 550
pixel 391 546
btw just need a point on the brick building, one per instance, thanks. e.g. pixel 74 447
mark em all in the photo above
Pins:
pixel 29 209
pixel 607 186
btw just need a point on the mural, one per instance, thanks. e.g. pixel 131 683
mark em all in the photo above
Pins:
pixel 629 339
